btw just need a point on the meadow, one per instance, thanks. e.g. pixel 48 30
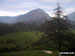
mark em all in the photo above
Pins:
pixel 19 44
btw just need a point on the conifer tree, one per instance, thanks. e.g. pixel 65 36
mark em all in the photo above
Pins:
pixel 58 32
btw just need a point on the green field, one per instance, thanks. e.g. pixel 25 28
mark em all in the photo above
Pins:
pixel 17 41
pixel 19 44
pixel 73 31
pixel 27 53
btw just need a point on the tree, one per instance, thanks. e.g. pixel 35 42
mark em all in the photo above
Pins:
pixel 58 32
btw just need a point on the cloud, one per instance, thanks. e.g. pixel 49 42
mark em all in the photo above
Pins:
pixel 57 0
pixel 16 7
pixel 65 11
pixel 12 5
pixel 45 7
pixel 10 13
pixel 50 13
pixel 69 10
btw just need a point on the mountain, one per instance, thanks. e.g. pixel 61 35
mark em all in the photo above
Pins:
pixel 37 15
pixel 71 16
pixel 7 19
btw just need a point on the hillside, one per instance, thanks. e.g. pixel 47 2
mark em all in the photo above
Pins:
pixel 71 16
pixel 17 41
pixel 7 19
pixel 28 53
pixel 36 15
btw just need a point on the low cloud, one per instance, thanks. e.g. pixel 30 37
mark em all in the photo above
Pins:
pixel 12 5
pixel 69 10
pixel 10 13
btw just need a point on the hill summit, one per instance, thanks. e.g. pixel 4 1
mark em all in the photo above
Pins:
pixel 37 15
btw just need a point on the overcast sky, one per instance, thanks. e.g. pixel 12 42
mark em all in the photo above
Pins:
pixel 18 7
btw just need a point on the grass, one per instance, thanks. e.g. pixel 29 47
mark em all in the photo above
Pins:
pixel 27 53
pixel 21 40
pixel 73 31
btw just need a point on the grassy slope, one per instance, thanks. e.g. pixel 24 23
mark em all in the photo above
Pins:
pixel 22 39
pixel 27 53
pixel 73 31
pixel 21 36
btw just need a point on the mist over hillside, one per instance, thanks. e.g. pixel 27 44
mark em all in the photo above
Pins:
pixel 7 19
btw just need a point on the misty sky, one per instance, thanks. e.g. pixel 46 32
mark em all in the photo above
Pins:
pixel 17 7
